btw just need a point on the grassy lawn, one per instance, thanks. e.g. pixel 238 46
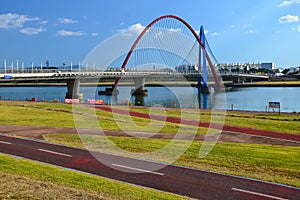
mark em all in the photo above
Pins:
pixel 265 121
pixel 276 82
pixel 61 115
pixel 40 114
pixel 280 164
pixel 25 179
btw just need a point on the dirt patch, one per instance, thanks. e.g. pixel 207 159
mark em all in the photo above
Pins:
pixel 19 187
pixel 36 132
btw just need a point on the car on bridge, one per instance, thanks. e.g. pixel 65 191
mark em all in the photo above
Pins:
pixel 7 76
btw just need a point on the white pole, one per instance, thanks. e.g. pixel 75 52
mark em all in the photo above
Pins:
pixel 12 66
pixel 31 67
pixel 71 65
pixel 5 66
pixel 17 63
pixel 41 66
pixel 22 66
pixel 79 66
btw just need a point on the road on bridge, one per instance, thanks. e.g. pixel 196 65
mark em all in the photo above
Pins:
pixel 180 180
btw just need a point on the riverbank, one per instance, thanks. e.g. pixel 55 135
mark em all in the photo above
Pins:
pixel 265 84
pixel 62 116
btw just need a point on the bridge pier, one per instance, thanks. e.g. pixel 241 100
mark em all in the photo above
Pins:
pixel 139 89
pixel 73 87
pixel 202 88
pixel 238 79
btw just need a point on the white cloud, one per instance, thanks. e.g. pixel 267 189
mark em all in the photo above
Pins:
pixel 174 30
pixel 252 31
pixel 12 20
pixel 135 29
pixel 298 28
pixel 286 3
pixel 42 22
pixel 205 32
pixel 95 34
pixel 247 25
pixel 162 32
pixel 288 19
pixel 159 34
pixel 289 2
pixel 32 31
pixel 69 33
pixel 215 34
pixel 67 21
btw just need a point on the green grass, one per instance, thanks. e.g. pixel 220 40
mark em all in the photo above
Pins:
pixel 100 187
pixel 40 114
pixel 61 115
pixel 280 164
pixel 284 122
pixel 275 82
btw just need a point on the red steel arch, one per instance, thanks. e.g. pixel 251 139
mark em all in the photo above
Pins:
pixel 217 81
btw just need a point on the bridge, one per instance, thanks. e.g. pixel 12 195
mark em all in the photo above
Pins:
pixel 241 78
pixel 72 78
pixel 159 43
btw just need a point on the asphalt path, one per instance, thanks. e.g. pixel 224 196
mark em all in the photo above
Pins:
pixel 175 179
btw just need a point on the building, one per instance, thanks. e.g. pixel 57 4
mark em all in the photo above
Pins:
pixel 245 66
pixel 269 66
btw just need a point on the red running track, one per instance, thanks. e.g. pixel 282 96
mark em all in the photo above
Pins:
pixel 265 133
pixel 175 179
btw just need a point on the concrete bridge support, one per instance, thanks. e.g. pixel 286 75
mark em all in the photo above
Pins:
pixel 238 79
pixel 139 89
pixel 73 87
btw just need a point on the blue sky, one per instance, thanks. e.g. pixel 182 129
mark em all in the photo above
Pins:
pixel 67 30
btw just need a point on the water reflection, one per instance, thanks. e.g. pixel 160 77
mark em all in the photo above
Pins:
pixel 139 100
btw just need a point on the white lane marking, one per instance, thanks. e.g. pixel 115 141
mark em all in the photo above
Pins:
pixel 257 193
pixel 137 169
pixel 2 142
pixel 53 152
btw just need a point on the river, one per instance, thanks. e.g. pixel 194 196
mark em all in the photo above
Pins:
pixel 251 99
